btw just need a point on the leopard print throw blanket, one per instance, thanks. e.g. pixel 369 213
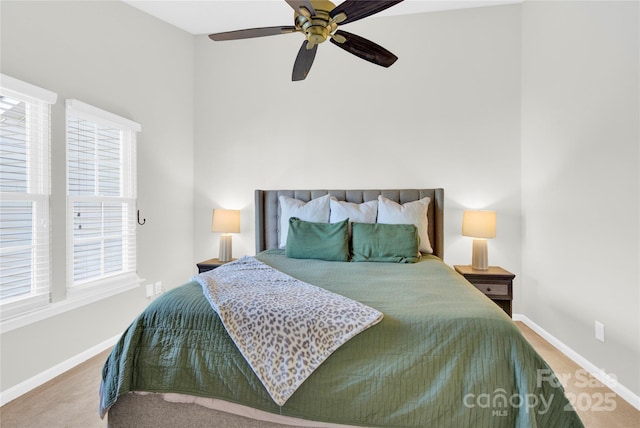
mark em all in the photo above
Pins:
pixel 284 327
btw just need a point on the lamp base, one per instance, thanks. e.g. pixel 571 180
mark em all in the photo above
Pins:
pixel 480 255
pixel 225 253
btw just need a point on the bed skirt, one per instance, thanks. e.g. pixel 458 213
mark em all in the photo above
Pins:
pixel 153 410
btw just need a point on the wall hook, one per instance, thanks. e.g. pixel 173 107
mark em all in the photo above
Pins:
pixel 144 220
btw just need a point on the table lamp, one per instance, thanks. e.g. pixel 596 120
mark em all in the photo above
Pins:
pixel 480 225
pixel 225 222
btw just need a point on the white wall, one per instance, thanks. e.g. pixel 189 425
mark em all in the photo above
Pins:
pixel 119 59
pixel 580 178
pixel 446 114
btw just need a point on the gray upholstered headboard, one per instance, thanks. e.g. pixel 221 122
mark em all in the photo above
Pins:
pixel 268 210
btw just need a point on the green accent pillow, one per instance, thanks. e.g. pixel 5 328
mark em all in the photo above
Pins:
pixel 379 242
pixel 322 241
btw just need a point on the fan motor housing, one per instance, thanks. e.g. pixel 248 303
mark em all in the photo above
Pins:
pixel 319 26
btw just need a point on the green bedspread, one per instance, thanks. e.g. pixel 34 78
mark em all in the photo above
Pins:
pixel 443 356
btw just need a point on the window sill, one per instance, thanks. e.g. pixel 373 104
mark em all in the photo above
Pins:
pixel 73 301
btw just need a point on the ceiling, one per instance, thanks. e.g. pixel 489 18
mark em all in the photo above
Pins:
pixel 213 16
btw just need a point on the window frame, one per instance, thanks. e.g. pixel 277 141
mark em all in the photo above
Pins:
pixel 38 103
pixel 128 278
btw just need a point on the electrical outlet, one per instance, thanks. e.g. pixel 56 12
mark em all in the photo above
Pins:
pixel 149 290
pixel 159 287
pixel 600 331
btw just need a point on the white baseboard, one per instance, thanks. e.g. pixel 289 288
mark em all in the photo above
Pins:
pixel 16 391
pixel 595 371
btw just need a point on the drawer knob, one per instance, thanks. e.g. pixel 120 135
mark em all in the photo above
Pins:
pixel 488 288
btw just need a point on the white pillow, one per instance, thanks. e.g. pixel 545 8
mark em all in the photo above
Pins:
pixel 365 212
pixel 316 210
pixel 390 212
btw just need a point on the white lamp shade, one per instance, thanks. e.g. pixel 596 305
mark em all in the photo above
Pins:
pixel 479 224
pixel 225 221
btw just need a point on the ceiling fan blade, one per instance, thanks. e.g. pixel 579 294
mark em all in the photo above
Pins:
pixel 252 32
pixel 304 61
pixel 358 9
pixel 296 4
pixel 364 48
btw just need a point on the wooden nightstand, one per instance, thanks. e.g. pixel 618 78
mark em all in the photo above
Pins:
pixel 496 283
pixel 210 264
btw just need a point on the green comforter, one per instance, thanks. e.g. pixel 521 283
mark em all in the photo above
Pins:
pixel 443 356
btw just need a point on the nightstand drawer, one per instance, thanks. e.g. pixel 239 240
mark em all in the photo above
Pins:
pixel 493 289
pixel 495 283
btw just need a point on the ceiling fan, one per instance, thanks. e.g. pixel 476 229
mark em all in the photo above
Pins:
pixel 318 20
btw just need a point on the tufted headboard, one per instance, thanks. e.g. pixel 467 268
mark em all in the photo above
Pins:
pixel 268 210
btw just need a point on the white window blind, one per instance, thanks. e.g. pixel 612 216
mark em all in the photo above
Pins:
pixel 24 191
pixel 101 195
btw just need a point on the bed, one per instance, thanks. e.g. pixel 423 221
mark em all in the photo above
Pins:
pixel 442 355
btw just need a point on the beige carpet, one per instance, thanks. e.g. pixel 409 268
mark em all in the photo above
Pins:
pixel 71 400
pixel 68 401
pixel 596 404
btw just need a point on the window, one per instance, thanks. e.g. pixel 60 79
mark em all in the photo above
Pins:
pixel 24 196
pixel 101 199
